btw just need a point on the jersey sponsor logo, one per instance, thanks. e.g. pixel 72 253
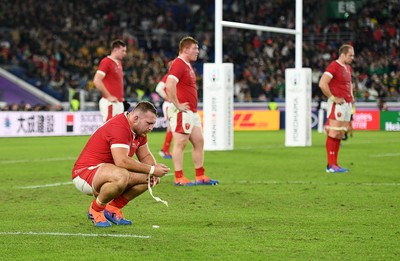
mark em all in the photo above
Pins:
pixel 135 145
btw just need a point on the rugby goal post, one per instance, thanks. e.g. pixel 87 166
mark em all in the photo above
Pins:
pixel 218 88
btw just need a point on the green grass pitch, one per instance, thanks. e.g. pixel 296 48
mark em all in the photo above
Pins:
pixel 273 203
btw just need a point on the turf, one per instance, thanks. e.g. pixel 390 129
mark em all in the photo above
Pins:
pixel 273 203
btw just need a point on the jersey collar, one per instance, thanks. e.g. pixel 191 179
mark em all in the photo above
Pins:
pixel 184 60
pixel 126 116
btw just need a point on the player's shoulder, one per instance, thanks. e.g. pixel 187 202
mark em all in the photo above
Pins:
pixel 105 60
pixel 117 121
pixel 164 78
pixel 333 66
pixel 179 61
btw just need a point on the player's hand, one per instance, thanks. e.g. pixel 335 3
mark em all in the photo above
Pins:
pixel 183 106
pixel 160 170
pixel 154 180
pixel 339 100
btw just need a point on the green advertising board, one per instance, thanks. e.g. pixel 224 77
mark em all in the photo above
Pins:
pixel 342 9
pixel 390 120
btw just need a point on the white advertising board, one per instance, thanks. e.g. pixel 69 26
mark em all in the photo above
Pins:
pixel 298 107
pixel 218 106
pixel 46 123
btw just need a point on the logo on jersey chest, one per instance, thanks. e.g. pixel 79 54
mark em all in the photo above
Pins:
pixel 135 145
pixel 346 74
pixel 192 75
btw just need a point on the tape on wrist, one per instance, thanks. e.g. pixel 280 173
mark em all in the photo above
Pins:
pixel 152 168
pixel 332 98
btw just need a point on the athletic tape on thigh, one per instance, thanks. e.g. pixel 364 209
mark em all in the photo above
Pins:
pixel 151 192
pixel 336 128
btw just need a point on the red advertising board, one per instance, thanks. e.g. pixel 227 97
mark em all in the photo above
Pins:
pixel 366 120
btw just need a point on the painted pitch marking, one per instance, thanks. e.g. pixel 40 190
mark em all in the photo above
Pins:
pixel 71 234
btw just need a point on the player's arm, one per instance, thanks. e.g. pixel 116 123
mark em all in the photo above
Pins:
pixel 170 85
pixel 144 155
pixel 160 89
pixel 324 85
pixel 98 82
pixel 122 160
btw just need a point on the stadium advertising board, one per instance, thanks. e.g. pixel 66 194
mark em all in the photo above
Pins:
pixel 390 120
pixel 366 120
pixel 249 120
pixel 256 120
pixel 314 119
pixel 23 124
pixel 342 9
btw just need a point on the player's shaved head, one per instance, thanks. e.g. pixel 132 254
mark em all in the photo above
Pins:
pixel 145 106
pixel 344 49
pixel 186 42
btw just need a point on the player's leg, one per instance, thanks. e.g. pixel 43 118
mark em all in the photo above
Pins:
pixel 165 151
pixel 105 108
pixel 137 184
pixel 109 181
pixel 105 182
pixel 180 141
pixel 337 125
pixel 180 135
pixel 197 140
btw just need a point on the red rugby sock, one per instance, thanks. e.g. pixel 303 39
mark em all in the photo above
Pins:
pixel 167 141
pixel 336 149
pixel 97 207
pixel 199 172
pixel 178 174
pixel 119 202
pixel 330 150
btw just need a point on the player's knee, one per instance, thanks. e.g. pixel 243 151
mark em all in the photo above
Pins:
pixel 121 178
pixel 339 135
pixel 335 134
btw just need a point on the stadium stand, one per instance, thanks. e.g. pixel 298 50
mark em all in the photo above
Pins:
pixel 56 45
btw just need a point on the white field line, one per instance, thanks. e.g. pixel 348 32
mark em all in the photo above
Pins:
pixel 71 234
pixel 267 182
pixel 58 184
pixel 46 185
pixel 271 182
pixel 384 155
pixel 36 160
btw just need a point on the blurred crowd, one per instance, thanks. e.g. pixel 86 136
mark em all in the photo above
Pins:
pixel 23 106
pixel 58 44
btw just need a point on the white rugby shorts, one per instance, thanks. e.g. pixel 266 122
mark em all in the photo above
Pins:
pixel 83 186
pixel 182 122
pixel 110 109
pixel 339 112
pixel 165 107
